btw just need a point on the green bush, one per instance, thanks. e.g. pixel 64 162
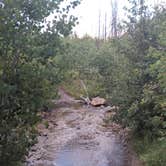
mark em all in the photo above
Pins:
pixel 151 153
pixel 28 75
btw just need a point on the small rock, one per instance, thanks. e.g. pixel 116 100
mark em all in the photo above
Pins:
pixel 110 109
pixel 89 123
pixel 78 128
pixel 45 134
pixel 107 109
pixel 33 149
pixel 98 101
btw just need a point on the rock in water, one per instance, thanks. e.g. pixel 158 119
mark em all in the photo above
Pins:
pixel 98 101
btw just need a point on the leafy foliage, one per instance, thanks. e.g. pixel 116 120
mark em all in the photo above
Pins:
pixel 27 77
pixel 148 113
pixel 151 153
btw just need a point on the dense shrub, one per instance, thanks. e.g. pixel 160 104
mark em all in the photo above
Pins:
pixel 27 77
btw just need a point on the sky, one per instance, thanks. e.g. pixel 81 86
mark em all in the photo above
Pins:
pixel 88 14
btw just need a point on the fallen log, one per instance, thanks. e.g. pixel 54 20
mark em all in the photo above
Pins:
pixel 86 100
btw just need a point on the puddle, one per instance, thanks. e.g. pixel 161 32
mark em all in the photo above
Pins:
pixel 82 153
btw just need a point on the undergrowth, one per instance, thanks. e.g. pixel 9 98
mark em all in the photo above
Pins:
pixel 151 153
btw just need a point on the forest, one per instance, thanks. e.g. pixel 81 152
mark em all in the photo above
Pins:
pixel 37 57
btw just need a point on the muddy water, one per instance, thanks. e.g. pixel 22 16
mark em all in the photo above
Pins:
pixel 91 153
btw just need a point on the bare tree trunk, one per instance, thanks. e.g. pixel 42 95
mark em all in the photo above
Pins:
pixel 99 28
pixel 105 35
pixel 103 32
pixel 86 99
pixel 114 7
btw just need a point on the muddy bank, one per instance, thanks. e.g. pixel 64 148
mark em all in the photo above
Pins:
pixel 78 136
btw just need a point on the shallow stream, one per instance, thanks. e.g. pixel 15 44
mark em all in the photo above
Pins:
pixel 108 152
pixel 79 136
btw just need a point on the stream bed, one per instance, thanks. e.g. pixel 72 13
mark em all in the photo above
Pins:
pixel 92 153
pixel 78 136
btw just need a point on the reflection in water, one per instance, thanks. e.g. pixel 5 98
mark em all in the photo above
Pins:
pixel 75 154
